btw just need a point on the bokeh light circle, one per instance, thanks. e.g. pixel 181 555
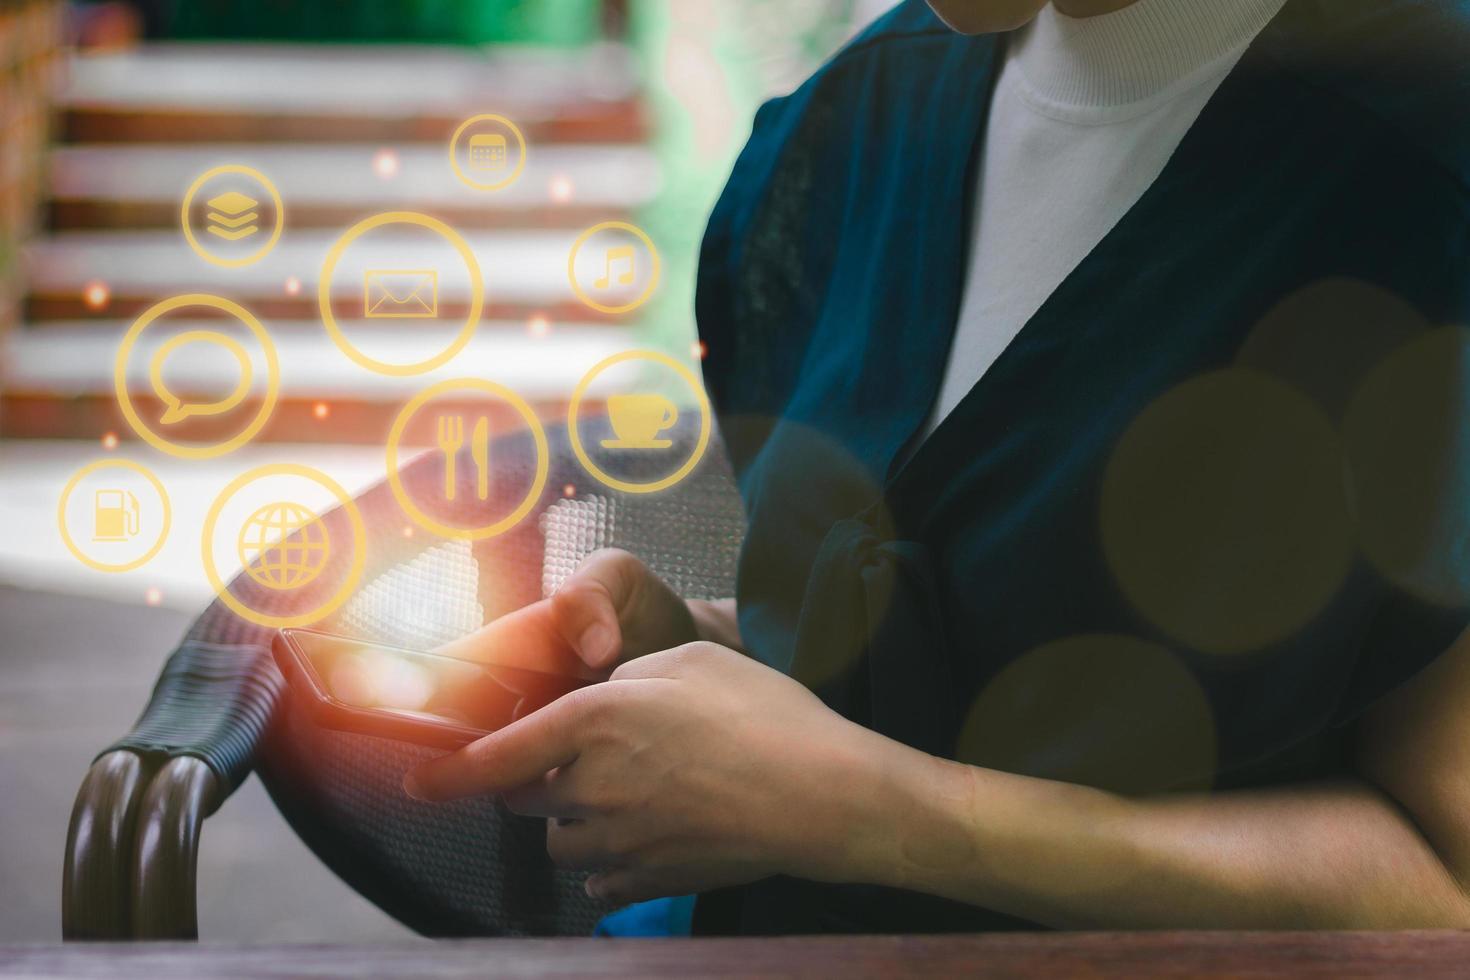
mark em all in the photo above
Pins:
pixel 1224 512
pixel 1104 710
pixel 1407 432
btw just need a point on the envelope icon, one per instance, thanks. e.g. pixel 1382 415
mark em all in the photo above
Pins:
pixel 400 293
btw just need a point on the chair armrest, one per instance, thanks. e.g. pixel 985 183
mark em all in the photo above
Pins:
pixel 165 869
pixel 132 845
pixel 95 888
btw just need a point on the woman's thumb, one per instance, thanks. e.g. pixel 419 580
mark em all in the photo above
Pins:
pixel 588 607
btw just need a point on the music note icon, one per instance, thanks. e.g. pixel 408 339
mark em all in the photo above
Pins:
pixel 618 253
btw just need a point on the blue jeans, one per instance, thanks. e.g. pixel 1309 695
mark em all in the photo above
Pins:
pixel 660 917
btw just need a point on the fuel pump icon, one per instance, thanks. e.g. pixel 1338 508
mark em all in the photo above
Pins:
pixel 117 516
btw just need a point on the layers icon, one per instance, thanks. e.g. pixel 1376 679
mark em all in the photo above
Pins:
pixel 232 216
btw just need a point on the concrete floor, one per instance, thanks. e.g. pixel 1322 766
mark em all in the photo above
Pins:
pixel 74 673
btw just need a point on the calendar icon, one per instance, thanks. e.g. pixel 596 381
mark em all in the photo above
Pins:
pixel 487 151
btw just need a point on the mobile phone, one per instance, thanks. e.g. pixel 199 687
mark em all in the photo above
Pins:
pixel 357 686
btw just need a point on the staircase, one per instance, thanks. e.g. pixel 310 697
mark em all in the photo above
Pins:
pixel 344 132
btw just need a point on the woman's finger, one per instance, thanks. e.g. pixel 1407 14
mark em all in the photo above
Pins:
pixel 624 886
pixel 515 755
pixel 527 638
pixel 579 845
pixel 556 796
pixel 589 607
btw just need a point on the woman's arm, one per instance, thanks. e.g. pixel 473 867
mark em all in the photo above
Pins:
pixel 697 768
pixel 1340 855
pixel 1388 850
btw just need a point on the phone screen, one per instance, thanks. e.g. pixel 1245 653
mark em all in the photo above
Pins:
pixel 424 687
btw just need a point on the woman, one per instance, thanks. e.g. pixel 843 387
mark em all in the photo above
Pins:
pixel 1097 396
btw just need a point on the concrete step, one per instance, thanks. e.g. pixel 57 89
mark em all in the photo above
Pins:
pixel 58 378
pixel 524 272
pixel 140 186
pixel 270 92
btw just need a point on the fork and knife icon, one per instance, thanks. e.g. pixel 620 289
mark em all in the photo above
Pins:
pixel 451 439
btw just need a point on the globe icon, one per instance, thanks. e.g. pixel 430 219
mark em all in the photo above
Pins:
pixel 275 562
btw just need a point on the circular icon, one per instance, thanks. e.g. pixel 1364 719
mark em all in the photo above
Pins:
pixel 291 564
pixel 117 516
pixel 231 216
pixel 615 264
pixel 646 416
pixel 489 153
pixel 288 564
pixel 176 408
pixel 477 292
pixel 400 425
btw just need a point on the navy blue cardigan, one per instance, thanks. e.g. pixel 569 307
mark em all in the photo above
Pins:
pixel 1210 503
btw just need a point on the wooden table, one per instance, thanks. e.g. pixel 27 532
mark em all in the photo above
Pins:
pixel 1419 955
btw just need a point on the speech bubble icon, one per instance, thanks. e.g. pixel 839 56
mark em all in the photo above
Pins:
pixel 175 408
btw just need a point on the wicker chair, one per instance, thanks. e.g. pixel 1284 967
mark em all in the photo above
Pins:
pixel 220 710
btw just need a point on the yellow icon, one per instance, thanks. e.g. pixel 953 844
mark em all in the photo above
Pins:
pixel 487 151
pixel 620 253
pixel 232 216
pixel 481 387
pixel 480 453
pixel 615 256
pixel 646 417
pixel 175 408
pixel 279 565
pixel 334 256
pixel 638 419
pixel 116 516
pixel 174 405
pixel 283 546
pixel 450 437
pixel 395 294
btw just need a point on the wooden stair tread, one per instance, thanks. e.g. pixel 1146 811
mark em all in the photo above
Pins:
pixel 524 265
pixel 610 175
pixel 351 80
pixel 74 359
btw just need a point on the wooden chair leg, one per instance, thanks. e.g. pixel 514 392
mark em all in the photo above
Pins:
pixel 165 873
pixel 96 886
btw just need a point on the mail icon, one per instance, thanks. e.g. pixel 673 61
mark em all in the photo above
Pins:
pixel 400 294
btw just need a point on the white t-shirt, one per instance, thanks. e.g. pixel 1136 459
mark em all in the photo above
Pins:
pixel 1083 119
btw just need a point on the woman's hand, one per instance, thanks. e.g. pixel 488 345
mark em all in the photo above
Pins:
pixel 612 609
pixel 690 769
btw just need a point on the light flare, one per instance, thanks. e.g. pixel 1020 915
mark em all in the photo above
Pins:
pixel 385 164
pixel 96 295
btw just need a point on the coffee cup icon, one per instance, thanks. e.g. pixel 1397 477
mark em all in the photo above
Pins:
pixel 637 421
